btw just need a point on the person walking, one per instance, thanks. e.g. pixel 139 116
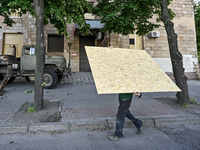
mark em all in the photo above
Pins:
pixel 123 111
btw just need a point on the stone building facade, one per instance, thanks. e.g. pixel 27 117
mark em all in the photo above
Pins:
pixel 23 32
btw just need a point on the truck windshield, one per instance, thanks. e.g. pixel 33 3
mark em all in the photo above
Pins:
pixel 29 51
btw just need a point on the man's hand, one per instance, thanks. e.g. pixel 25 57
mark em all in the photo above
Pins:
pixel 137 94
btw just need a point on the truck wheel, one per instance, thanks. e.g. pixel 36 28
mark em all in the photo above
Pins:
pixel 50 79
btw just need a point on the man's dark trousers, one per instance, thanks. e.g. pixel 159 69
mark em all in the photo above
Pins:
pixel 123 111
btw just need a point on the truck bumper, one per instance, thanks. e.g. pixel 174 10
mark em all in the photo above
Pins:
pixel 67 71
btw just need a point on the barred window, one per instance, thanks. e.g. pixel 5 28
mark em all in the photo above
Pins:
pixel 132 41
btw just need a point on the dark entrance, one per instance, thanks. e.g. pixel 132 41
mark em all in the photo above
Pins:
pixel 85 41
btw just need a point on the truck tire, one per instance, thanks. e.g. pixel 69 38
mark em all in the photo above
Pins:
pixel 50 79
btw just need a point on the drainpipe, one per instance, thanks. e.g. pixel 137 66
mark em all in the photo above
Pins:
pixel 69 44
pixel 109 40
pixel 135 41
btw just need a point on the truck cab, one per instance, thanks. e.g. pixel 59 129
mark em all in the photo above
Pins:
pixel 55 66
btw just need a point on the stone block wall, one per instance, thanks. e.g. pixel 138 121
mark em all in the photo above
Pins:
pixel 119 41
pixel 138 42
pixel 26 25
pixel 18 27
pixel 185 29
pixel 158 48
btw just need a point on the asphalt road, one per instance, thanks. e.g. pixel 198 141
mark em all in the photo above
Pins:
pixel 165 138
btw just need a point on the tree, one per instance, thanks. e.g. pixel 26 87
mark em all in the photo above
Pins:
pixel 128 16
pixel 176 56
pixel 4 11
pixel 40 56
pixel 197 23
pixel 60 13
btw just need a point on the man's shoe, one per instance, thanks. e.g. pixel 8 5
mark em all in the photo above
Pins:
pixel 114 138
pixel 139 131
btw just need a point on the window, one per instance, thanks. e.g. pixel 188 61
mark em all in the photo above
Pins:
pixel 55 43
pixel 29 51
pixel 132 41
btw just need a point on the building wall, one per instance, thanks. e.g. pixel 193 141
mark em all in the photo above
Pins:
pixel 158 48
pixel 138 43
pixel 185 29
pixel 18 27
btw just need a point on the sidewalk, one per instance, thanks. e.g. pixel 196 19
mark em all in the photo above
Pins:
pixel 83 108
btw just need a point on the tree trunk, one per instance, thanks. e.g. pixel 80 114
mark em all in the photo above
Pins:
pixel 40 54
pixel 176 56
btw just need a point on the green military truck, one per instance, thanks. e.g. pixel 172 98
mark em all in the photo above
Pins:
pixel 12 67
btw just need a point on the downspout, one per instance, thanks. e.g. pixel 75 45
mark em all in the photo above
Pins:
pixel 135 41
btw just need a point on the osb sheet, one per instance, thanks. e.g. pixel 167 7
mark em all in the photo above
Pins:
pixel 118 70
pixel 13 39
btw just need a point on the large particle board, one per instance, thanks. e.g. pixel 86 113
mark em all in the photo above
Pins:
pixel 11 39
pixel 117 70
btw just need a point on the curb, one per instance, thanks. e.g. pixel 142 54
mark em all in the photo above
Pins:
pixel 160 122
pixel 11 129
pixel 98 125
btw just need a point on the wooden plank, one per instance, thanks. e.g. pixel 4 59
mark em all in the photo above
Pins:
pixel 117 70
pixel 3 83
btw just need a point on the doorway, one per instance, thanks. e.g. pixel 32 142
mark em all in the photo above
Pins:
pixel 83 60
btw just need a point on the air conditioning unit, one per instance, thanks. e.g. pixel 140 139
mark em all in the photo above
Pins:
pixel 154 34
